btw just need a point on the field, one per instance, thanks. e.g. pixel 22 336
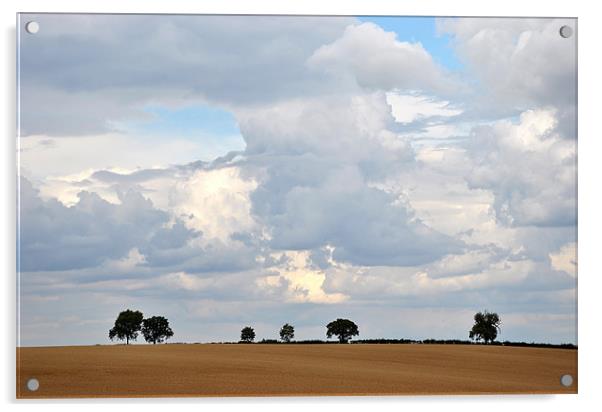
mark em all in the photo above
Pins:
pixel 278 370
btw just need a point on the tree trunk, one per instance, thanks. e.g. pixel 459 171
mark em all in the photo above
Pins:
pixel 127 340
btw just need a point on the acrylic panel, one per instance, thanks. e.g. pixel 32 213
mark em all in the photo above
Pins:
pixel 296 205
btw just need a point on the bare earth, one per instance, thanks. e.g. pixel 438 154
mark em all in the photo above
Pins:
pixel 279 370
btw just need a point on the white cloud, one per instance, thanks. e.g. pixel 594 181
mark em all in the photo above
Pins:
pixel 375 59
pixel 528 167
pixel 182 280
pixel 133 259
pixel 407 108
pixel 565 259
pixel 348 126
pixel 304 281
pixel 216 202
pixel 521 63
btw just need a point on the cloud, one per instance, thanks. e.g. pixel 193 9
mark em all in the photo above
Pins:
pixel 391 283
pixel 85 80
pixel 473 261
pixel 55 237
pixel 317 162
pixel 565 259
pixel 528 167
pixel 375 59
pixel 362 224
pixel 519 64
pixel 373 184
pixel 304 283
pixel 407 108
pixel 350 126
pixel 216 202
pixel 110 152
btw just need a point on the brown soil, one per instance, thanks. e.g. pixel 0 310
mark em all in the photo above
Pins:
pixel 278 370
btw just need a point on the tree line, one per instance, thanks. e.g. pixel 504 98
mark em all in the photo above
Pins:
pixel 156 329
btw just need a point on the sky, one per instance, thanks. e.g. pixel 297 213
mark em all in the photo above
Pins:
pixel 237 171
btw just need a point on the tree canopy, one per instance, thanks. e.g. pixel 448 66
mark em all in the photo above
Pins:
pixel 287 332
pixel 343 328
pixel 156 329
pixel 127 325
pixel 247 334
pixel 486 326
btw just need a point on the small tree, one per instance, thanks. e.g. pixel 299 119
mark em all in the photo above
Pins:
pixel 156 329
pixel 127 326
pixel 486 326
pixel 247 334
pixel 343 328
pixel 287 332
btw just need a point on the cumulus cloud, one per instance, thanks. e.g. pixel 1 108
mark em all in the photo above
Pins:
pixel 216 202
pixel 315 161
pixel 520 64
pixel 565 259
pixel 362 224
pixel 52 236
pixel 304 283
pixel 528 167
pixel 376 59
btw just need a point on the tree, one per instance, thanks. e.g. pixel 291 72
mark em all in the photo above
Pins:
pixel 287 333
pixel 247 334
pixel 486 326
pixel 127 326
pixel 156 329
pixel 343 328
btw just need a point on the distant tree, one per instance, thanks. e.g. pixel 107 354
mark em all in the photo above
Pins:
pixel 156 329
pixel 486 327
pixel 127 326
pixel 287 332
pixel 343 328
pixel 247 334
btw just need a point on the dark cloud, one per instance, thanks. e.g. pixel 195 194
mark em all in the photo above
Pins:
pixel 81 77
pixel 360 222
pixel 317 162
pixel 55 237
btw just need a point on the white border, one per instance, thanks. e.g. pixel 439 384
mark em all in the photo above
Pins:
pixel 589 192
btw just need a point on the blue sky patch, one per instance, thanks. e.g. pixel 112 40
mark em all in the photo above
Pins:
pixel 424 31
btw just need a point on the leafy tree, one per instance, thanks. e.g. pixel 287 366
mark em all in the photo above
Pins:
pixel 127 326
pixel 156 329
pixel 287 332
pixel 486 326
pixel 247 334
pixel 343 328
